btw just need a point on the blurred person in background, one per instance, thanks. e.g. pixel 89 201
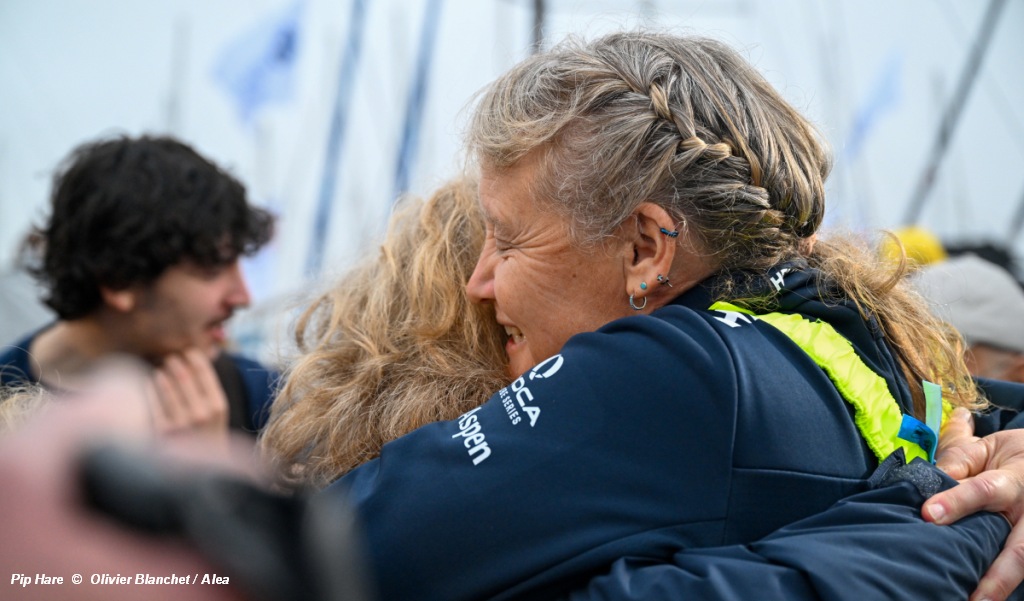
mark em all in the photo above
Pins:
pixel 985 304
pixel 139 256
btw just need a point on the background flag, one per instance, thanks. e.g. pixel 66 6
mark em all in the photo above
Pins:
pixel 884 95
pixel 258 66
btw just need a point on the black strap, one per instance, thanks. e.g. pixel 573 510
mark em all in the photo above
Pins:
pixel 239 417
pixel 275 547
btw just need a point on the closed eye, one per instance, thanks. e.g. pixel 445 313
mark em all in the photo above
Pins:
pixel 501 242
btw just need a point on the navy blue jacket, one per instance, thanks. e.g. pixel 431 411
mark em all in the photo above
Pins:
pixel 872 545
pixel 654 435
pixel 257 382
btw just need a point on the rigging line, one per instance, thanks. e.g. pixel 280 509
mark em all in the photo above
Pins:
pixel 953 111
pixel 539 17
pixel 856 181
pixel 770 24
pixel 336 135
pixel 1007 110
pixel 417 99
pixel 1016 223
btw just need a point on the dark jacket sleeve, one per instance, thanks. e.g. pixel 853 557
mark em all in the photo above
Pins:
pixel 260 386
pixel 872 545
pixel 1008 400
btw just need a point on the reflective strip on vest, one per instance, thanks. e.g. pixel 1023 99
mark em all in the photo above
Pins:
pixel 876 412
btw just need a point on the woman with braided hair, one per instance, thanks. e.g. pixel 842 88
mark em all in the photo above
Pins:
pixel 694 366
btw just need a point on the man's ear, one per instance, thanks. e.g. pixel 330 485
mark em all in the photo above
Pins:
pixel 119 300
pixel 654 242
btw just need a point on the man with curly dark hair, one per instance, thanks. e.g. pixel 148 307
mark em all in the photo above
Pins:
pixel 140 256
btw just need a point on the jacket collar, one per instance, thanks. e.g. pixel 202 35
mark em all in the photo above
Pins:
pixel 794 287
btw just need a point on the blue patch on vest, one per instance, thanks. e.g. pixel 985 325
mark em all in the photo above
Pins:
pixel 915 431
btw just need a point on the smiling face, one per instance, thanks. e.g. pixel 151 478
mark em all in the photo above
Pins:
pixel 544 288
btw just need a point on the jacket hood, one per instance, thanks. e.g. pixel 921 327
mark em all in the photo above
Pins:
pixel 794 287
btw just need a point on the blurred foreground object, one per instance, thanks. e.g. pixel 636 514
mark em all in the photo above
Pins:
pixel 90 492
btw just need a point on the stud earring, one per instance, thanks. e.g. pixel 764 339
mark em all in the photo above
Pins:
pixel 664 281
pixel 643 285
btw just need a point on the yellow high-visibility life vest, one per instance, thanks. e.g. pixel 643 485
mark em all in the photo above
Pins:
pixel 877 414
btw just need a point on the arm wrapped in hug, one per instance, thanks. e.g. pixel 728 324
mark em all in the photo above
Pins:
pixel 870 545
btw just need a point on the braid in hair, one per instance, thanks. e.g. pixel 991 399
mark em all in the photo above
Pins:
pixel 688 124
pixel 724 181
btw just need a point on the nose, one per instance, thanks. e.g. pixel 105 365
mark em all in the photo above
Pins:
pixel 480 286
pixel 238 290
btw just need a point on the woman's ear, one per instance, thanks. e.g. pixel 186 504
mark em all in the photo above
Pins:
pixel 119 300
pixel 654 242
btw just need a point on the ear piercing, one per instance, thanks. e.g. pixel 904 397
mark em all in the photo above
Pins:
pixel 662 280
pixel 672 234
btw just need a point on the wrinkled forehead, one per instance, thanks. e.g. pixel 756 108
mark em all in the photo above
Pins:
pixel 506 191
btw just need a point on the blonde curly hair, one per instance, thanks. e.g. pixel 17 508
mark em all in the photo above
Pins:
pixel 19 403
pixel 394 345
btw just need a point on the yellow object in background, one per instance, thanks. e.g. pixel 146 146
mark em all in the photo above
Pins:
pixel 922 246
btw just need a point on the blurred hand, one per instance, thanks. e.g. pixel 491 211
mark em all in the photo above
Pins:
pixel 189 395
pixel 991 475
pixel 41 508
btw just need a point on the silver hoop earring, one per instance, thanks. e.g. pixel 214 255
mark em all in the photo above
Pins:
pixel 633 305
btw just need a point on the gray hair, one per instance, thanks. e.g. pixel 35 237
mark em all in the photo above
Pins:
pixel 683 122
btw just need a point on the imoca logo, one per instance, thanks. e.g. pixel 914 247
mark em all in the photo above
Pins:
pixel 547 367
